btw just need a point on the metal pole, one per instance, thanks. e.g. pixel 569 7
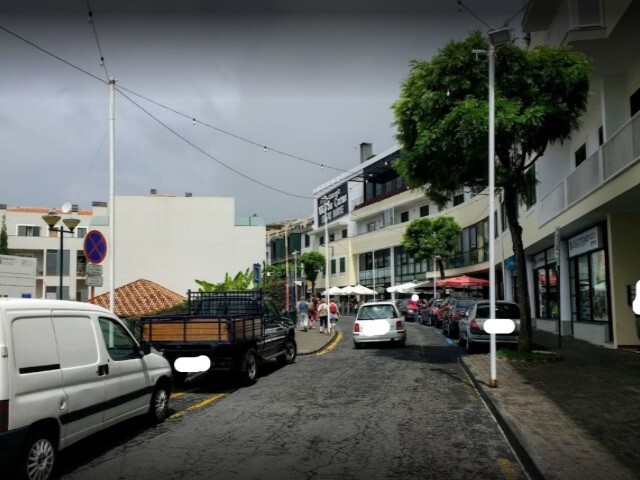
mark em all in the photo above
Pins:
pixel 286 269
pixel 61 259
pixel 492 268
pixel 112 195
pixel 295 279
pixel 373 261
pixel 326 254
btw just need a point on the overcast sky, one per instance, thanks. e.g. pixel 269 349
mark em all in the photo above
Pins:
pixel 311 79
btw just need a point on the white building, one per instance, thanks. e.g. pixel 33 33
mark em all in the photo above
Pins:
pixel 171 241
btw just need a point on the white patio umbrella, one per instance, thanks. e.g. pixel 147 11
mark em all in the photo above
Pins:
pixel 333 291
pixel 362 290
pixel 402 288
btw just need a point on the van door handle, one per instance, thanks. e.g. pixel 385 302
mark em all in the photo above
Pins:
pixel 103 370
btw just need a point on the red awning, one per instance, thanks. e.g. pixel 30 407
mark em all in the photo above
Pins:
pixel 462 281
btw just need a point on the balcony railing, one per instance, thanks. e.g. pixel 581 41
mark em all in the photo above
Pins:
pixel 619 152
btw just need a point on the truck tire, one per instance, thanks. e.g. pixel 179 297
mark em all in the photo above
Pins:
pixel 249 367
pixel 290 351
pixel 159 404
pixel 39 456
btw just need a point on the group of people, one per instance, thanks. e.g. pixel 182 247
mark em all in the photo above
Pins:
pixel 315 313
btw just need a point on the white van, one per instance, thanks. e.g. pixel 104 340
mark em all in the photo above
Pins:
pixel 68 370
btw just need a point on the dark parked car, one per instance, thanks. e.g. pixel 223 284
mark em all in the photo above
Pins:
pixel 455 311
pixel 472 333
pixel 442 311
pixel 429 314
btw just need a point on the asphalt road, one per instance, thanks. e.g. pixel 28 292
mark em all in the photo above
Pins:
pixel 374 413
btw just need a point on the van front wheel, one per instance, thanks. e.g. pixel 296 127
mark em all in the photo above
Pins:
pixel 39 456
pixel 159 403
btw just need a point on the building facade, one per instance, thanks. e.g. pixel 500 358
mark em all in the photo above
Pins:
pixel 169 240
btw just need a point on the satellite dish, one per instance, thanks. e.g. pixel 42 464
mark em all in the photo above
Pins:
pixel 66 208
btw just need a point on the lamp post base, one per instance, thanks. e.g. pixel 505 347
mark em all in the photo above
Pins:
pixel 493 383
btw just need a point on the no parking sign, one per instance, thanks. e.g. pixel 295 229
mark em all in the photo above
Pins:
pixel 95 246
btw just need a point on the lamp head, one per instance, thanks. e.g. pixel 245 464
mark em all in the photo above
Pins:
pixel 71 223
pixel 51 219
pixel 500 37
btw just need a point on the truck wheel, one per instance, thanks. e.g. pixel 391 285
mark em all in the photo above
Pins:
pixel 159 403
pixel 249 371
pixel 39 456
pixel 290 351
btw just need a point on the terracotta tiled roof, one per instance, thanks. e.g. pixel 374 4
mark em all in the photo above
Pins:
pixel 140 297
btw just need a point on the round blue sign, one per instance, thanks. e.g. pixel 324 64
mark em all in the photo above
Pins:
pixel 95 246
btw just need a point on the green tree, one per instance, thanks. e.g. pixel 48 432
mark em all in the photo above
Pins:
pixel 442 112
pixel 241 281
pixel 313 263
pixel 4 239
pixel 426 238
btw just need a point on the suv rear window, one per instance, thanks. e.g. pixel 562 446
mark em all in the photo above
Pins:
pixel 502 311
pixel 464 304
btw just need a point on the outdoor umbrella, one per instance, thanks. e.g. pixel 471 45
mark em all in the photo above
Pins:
pixel 362 290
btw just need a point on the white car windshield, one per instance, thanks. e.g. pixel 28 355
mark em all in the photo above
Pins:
pixel 376 312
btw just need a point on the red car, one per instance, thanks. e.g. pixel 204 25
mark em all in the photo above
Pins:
pixel 430 311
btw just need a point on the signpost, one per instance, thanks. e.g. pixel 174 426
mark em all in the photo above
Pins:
pixel 95 248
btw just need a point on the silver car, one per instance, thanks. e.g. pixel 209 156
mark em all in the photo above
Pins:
pixel 472 333
pixel 379 322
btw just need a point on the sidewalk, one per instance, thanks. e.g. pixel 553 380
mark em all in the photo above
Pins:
pixel 578 418
pixel 312 341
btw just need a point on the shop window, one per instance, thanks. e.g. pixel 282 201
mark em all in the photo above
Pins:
pixel 424 211
pixel 589 296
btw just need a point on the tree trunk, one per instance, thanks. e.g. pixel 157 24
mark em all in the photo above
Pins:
pixel 525 343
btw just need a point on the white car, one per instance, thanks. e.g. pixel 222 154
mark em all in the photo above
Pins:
pixel 379 322
pixel 68 370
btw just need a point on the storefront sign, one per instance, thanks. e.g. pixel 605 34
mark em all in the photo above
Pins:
pixel 334 204
pixel 585 242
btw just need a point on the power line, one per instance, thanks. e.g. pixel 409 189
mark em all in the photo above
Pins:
pixel 95 32
pixel 462 5
pixel 209 155
pixel 518 12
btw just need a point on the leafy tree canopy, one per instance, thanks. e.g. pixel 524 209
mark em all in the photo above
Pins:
pixel 241 281
pixel 313 263
pixel 442 112
pixel 426 238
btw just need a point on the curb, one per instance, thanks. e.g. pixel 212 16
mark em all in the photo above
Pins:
pixel 313 352
pixel 509 429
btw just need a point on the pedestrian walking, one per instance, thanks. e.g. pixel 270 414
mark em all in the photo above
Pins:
pixel 323 315
pixel 313 313
pixel 334 314
pixel 414 307
pixel 302 310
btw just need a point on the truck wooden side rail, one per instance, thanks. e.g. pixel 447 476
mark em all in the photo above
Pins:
pixel 235 330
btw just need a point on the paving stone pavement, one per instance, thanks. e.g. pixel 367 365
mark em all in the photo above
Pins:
pixel 578 418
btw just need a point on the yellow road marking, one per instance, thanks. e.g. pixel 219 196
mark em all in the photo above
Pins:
pixel 198 405
pixel 181 393
pixel 332 345
pixel 507 469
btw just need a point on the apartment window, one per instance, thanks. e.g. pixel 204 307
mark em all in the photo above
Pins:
pixel 371 227
pixel 333 266
pixel 343 265
pixel 344 233
pixel 28 231
pixel 458 199
pixel 307 240
pixel 424 211
pixel 52 263
pixel 322 240
pixel 634 100
pixel 530 189
pixel 332 237
pixel 81 232
pixel 581 154
pixel 600 135
pixel 404 217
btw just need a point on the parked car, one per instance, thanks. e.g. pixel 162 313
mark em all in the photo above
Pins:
pixel 379 322
pixel 68 370
pixel 455 311
pixel 429 314
pixel 472 333
pixel 402 307
pixel 442 311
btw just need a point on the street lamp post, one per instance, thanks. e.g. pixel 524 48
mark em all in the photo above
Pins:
pixel 373 264
pixel 295 279
pixel 327 201
pixel 497 38
pixel 71 223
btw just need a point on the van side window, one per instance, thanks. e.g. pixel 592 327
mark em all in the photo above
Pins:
pixel 120 345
